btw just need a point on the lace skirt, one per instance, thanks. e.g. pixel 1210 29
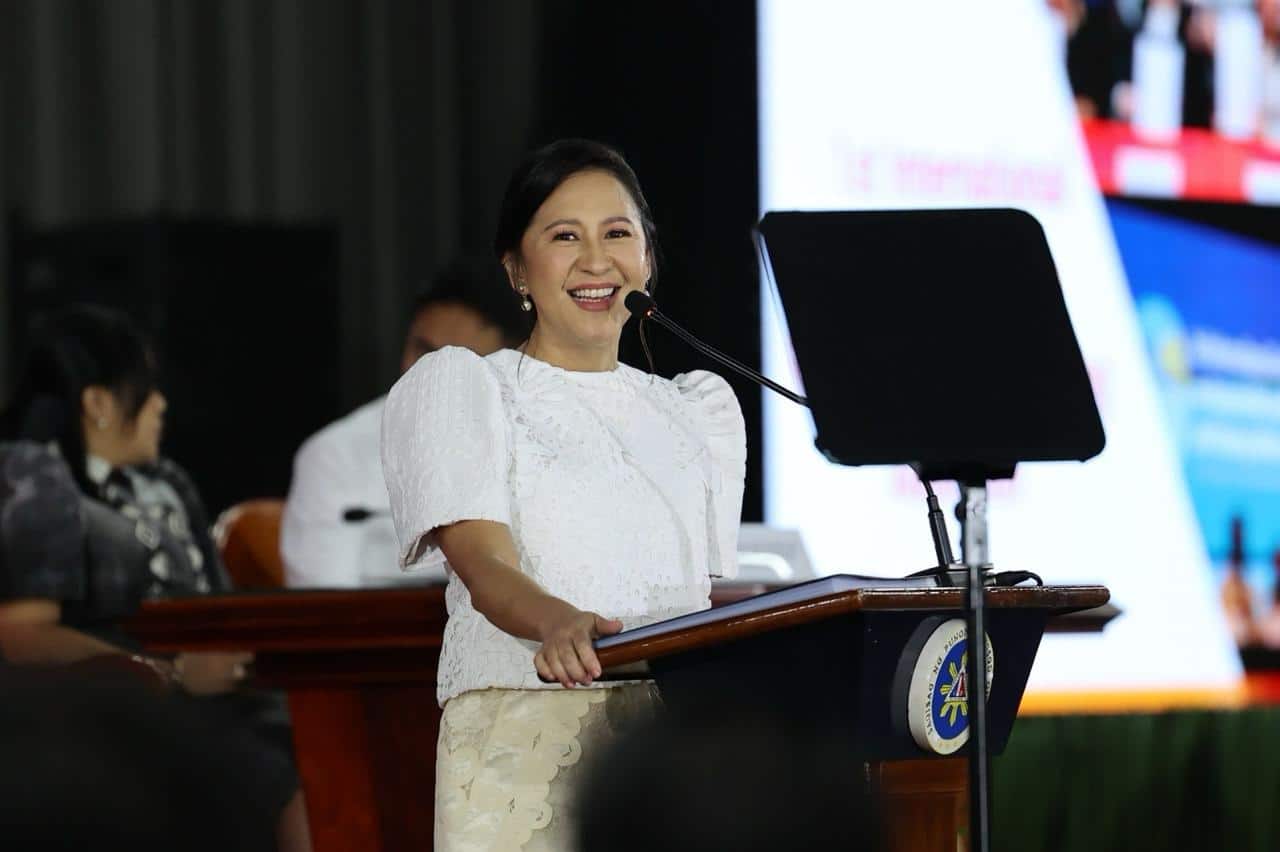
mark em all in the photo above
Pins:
pixel 508 761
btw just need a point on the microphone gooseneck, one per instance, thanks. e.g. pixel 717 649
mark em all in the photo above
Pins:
pixel 946 573
pixel 641 305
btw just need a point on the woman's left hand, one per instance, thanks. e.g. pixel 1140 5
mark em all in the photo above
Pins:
pixel 212 672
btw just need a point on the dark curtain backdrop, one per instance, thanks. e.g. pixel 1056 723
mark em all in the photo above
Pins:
pixel 398 122
pixel 360 112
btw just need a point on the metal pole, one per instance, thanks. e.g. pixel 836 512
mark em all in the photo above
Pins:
pixel 973 539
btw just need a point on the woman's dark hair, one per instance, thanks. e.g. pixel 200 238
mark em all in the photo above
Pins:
pixel 75 348
pixel 543 170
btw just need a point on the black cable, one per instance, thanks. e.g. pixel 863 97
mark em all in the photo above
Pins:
pixel 938 527
pixel 644 343
pixel 1013 578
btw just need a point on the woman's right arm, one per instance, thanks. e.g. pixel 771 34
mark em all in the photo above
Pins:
pixel 484 557
pixel 445 461
pixel 31 634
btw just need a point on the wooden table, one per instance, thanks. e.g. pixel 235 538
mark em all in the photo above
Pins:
pixel 360 671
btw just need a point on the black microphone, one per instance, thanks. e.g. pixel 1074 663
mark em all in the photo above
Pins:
pixel 641 304
pixel 360 514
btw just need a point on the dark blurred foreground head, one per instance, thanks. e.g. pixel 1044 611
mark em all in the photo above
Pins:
pixel 740 784
pixel 96 761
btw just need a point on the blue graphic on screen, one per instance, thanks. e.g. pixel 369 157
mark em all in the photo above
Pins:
pixel 1209 305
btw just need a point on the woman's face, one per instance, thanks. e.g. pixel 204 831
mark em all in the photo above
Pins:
pixel 111 435
pixel 148 428
pixel 582 253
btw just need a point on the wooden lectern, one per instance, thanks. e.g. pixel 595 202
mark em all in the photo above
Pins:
pixel 360 670
pixel 859 655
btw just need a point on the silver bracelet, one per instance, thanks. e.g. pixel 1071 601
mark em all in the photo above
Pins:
pixel 169 673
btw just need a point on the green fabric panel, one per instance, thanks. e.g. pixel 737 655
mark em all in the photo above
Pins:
pixel 1174 781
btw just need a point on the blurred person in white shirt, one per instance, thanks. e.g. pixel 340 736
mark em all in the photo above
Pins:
pixel 337 531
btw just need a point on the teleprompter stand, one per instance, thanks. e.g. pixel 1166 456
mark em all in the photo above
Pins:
pixel 938 339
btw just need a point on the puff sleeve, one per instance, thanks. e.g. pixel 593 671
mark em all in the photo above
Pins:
pixel 445 451
pixel 718 416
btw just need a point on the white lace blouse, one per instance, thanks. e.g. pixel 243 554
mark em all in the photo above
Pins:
pixel 622 490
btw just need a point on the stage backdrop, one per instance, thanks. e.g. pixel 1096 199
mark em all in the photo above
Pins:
pixel 871 105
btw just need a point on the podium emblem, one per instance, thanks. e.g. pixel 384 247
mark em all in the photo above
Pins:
pixel 938 698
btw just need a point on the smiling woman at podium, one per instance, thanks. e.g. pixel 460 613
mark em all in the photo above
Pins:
pixel 569 496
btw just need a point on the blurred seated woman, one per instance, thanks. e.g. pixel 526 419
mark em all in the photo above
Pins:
pixel 93 522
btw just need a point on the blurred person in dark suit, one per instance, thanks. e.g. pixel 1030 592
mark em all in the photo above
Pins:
pixel 337 530
pixel 93 521
pixel 1099 50
pixel 740 783
pixel 1100 53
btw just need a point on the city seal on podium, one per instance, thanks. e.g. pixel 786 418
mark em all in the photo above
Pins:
pixel 938 698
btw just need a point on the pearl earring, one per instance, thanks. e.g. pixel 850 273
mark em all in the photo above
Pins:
pixel 102 423
pixel 525 303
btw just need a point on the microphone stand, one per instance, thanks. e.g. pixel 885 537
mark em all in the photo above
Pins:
pixel 973 549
